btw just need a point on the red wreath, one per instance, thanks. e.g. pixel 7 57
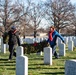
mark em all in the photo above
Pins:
pixel 35 44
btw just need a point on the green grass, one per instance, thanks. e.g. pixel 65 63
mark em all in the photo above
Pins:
pixel 36 64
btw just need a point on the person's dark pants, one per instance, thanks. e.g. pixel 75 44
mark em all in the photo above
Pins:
pixel 12 51
pixel 54 51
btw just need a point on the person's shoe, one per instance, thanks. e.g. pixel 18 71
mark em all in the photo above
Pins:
pixel 57 57
pixel 8 59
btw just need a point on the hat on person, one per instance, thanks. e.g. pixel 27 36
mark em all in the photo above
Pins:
pixel 13 27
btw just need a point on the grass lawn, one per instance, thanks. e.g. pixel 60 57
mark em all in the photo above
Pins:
pixel 36 64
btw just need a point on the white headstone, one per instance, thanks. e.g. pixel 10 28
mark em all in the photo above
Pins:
pixel 75 42
pixel 22 65
pixel 59 41
pixel 41 39
pixel 48 55
pixel 66 40
pixel 70 67
pixel 39 53
pixel 70 38
pixel 0 41
pixel 3 46
pixel 70 45
pixel 19 51
pixel 21 62
pixel 62 49
pixel 21 40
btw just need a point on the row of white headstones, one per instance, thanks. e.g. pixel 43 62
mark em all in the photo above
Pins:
pixel 22 61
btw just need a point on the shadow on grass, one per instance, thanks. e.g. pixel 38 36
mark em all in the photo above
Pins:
pixel 10 68
pixel 36 58
pixel 53 73
pixel 44 68
pixel 5 62
pixel 3 59
pixel 34 64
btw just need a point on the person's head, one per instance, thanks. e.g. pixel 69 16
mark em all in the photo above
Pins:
pixel 13 28
pixel 52 28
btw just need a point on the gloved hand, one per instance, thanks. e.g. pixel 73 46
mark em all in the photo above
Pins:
pixel 48 44
pixel 64 42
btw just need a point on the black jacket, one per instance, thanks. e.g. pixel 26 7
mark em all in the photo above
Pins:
pixel 13 38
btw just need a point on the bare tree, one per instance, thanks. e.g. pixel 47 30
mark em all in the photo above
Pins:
pixel 25 19
pixel 10 13
pixel 60 13
pixel 36 15
pixel 74 25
